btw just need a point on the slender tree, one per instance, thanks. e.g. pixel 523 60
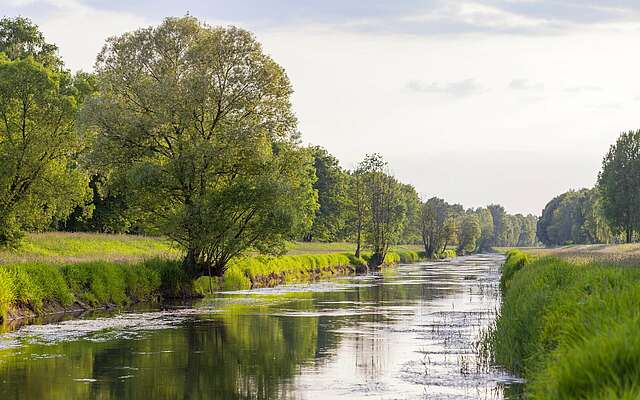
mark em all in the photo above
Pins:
pixel 385 206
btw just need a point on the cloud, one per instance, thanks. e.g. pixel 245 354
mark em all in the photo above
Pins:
pixel 583 89
pixel 463 88
pixel 523 84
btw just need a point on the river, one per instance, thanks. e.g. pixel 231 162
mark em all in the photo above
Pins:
pixel 409 332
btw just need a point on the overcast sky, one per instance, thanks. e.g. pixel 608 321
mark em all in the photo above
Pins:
pixel 478 102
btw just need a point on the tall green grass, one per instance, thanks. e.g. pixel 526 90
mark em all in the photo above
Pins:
pixel 572 330
pixel 246 272
pixel 33 286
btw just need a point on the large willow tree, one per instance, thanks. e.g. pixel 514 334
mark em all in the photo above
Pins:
pixel 199 122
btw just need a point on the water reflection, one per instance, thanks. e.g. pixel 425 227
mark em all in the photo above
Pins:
pixel 409 334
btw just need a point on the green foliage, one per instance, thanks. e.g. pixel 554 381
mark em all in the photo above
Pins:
pixel 7 292
pixel 206 138
pixel 437 225
pixel 485 242
pixel 381 207
pixel 38 180
pixel 412 207
pixel 571 329
pixel 329 223
pixel 573 217
pixel 516 260
pixel 469 233
pixel 99 283
pixel 20 38
pixel 447 253
pixel 619 184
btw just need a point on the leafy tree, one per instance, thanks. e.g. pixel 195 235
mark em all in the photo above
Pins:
pixel 39 181
pixel 527 230
pixel 20 38
pixel 357 207
pixel 435 226
pixel 109 210
pixel 574 217
pixel 619 184
pixel 596 229
pixel 500 225
pixel 486 229
pixel 385 207
pixel 469 234
pixel 412 206
pixel 198 121
pixel 331 184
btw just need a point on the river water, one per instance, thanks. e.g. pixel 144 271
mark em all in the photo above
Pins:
pixel 410 332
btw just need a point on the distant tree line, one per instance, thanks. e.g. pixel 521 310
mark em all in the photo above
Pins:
pixel 607 213
pixel 187 131
pixel 369 204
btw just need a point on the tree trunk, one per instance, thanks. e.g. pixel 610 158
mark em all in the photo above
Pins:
pixel 376 260
pixel 190 263
pixel 629 234
pixel 358 239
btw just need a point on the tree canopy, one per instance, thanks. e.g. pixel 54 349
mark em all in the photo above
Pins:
pixel 619 184
pixel 40 181
pixel 199 120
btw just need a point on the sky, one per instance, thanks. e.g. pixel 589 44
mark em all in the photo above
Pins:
pixel 477 102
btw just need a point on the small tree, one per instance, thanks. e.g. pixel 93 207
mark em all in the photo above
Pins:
pixel 469 234
pixel 198 120
pixel 357 207
pixel 486 227
pixel 435 226
pixel 383 209
pixel 619 184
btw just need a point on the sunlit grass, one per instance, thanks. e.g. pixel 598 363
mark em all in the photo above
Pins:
pixel 572 330
pixel 60 248
pixel 65 247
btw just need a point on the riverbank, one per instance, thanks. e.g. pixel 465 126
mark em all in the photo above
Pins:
pixel 571 329
pixel 60 280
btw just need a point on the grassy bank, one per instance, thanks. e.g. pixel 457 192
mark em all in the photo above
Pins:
pixel 62 271
pixel 258 271
pixel 33 288
pixel 571 329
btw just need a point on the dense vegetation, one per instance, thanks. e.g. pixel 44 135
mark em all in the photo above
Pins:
pixel 65 271
pixel 569 328
pixel 186 131
pixel 608 213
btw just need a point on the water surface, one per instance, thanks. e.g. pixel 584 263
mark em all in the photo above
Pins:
pixel 408 333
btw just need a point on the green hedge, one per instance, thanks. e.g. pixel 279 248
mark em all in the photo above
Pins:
pixel 572 330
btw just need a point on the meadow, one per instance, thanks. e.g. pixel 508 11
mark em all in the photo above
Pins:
pixel 571 329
